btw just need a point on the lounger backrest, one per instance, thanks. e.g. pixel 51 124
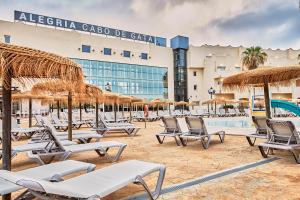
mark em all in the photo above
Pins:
pixel 39 120
pixel 196 125
pixel 56 120
pixel 283 131
pixel 14 123
pixel 260 124
pixel 171 124
pixel 102 123
pixel 53 132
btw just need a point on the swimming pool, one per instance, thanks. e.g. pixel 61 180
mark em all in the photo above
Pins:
pixel 240 123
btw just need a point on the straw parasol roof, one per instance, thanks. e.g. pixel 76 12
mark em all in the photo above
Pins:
pixel 263 77
pixel 275 75
pixel 181 103
pixel 27 63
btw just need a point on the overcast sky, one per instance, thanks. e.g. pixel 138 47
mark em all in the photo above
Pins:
pixel 267 23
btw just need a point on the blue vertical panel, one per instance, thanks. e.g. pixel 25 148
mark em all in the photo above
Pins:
pixel 180 42
pixel 161 41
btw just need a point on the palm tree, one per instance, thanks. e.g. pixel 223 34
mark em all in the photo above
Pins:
pixel 253 57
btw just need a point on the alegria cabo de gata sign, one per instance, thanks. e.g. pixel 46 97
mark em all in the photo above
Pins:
pixel 68 24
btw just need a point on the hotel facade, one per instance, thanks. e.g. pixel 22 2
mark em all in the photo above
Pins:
pixel 141 65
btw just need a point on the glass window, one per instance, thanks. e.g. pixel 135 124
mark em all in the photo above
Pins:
pixel 195 87
pixel 238 69
pixel 144 56
pixel 86 48
pixel 107 51
pixel 7 39
pixel 221 68
pixel 138 80
pixel 195 73
pixel 126 54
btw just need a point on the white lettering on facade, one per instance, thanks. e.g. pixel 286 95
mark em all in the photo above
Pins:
pixel 92 29
pixel 99 29
pixel 41 19
pixel 117 33
pixel 72 25
pixel 22 17
pixel 58 22
pixel 106 31
pixel 49 21
pixel 30 18
pixel 123 34
pixel 132 35
pixel 84 27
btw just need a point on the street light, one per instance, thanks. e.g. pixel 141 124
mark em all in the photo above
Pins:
pixel 211 91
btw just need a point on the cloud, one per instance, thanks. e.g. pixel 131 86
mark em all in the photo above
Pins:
pixel 268 23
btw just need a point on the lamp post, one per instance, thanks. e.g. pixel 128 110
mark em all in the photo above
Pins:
pixel 211 91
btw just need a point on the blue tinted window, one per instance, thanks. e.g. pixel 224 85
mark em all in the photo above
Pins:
pixel 86 48
pixel 144 56
pixel 126 54
pixel 107 51
pixel 7 38
pixel 138 80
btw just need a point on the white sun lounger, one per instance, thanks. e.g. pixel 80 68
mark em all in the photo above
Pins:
pixel 172 129
pixel 93 185
pixel 17 132
pixel 63 152
pixel 105 127
pixel 198 131
pixel 284 136
pixel 81 136
pixel 53 172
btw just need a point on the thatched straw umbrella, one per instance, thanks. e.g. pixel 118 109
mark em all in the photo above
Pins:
pixel 182 104
pixel 23 64
pixel 157 102
pixel 263 76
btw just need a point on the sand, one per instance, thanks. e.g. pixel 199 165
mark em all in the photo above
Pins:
pixel 276 180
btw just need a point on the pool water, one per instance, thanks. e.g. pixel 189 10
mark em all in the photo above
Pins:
pixel 230 123
pixel 238 123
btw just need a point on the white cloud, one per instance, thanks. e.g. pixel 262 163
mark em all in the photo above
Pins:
pixel 168 18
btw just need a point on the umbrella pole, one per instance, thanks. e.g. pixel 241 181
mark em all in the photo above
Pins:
pixel 6 123
pixel 70 116
pixel 80 112
pixel 115 111
pixel 267 99
pixel 58 108
pixel 97 114
pixel 169 109
pixel 157 109
pixel 129 112
pixel 30 112
pixel 215 108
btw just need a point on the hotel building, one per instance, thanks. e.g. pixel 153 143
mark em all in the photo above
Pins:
pixel 142 66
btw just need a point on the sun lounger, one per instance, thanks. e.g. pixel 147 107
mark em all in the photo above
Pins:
pixel 198 131
pixel 57 149
pixel 261 130
pixel 93 185
pixel 17 132
pixel 283 136
pixel 58 124
pixel 172 129
pixel 76 124
pixel 52 172
pixel 105 127
pixel 81 136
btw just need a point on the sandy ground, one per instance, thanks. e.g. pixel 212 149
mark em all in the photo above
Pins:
pixel 276 180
